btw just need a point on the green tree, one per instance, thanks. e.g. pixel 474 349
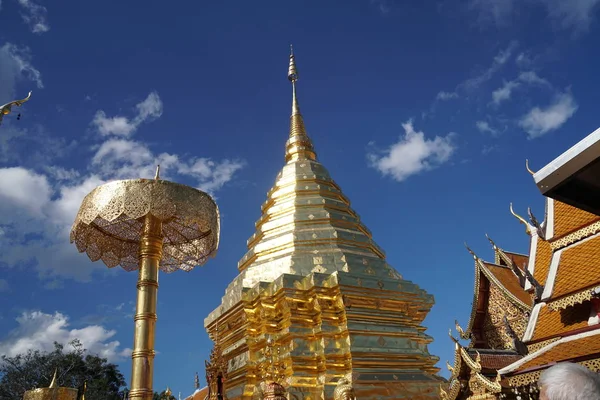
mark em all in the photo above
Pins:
pixel 35 369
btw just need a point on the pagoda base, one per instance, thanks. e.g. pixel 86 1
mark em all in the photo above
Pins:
pixel 324 327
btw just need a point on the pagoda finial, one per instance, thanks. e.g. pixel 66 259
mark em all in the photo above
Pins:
pixel 196 381
pixel 298 146
pixel 293 77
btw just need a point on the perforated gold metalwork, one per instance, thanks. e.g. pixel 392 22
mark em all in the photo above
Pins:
pixel 61 393
pixel 576 236
pixel 531 377
pixel 109 224
pixel 571 300
pixel 532 348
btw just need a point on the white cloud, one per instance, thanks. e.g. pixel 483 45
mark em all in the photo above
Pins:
pixel 495 11
pixel 532 78
pixel 485 127
pixel 413 153
pixel 500 59
pixel 50 196
pixel 38 331
pixel 504 93
pixel 34 15
pixel 446 95
pixel 24 189
pixel 539 121
pixel 573 14
pixel 523 60
pixel 15 65
pixel 148 109
pixel 4 287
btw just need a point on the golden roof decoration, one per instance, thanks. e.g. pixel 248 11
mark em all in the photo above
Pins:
pixel 53 383
pixel 5 109
pixel 480 268
pixel 478 383
pixel 521 220
pixel 527 167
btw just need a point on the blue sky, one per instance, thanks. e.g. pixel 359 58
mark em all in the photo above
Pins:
pixel 424 113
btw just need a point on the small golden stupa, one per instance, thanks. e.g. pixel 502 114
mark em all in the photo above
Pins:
pixel 53 392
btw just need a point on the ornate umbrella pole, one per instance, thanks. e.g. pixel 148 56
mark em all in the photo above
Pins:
pixel 142 363
pixel 148 225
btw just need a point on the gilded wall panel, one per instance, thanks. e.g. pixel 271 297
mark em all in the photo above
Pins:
pixel 494 328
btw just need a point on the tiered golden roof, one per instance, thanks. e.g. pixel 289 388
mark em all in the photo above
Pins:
pixel 314 280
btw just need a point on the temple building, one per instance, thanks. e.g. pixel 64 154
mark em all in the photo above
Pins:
pixel 315 300
pixel 499 314
pixel 557 296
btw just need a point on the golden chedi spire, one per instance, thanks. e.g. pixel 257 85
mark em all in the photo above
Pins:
pixel 299 145
pixel 313 271
pixel 307 218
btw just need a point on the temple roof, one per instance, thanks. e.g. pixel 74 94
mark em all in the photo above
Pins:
pixel 555 323
pixel 573 347
pixel 468 367
pixel 568 219
pixel 577 269
pixel 199 394
pixel 504 278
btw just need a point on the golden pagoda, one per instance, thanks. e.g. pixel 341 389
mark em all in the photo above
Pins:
pixel 52 392
pixel 315 285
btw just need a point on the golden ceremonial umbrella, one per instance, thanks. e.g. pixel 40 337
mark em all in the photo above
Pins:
pixel 147 225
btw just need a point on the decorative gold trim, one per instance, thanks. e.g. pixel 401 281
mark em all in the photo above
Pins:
pixel 532 348
pixel 467 333
pixel 532 377
pixel 508 294
pixel 571 300
pixel 576 236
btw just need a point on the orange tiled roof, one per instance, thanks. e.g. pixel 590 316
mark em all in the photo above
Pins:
pixel 568 218
pixel 510 282
pixel 553 323
pixel 198 395
pixel 543 255
pixel 585 346
pixel 520 260
pixel 497 361
pixel 577 269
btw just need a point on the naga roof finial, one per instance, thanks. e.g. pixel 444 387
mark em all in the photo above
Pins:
pixel 521 220
pixel 527 167
pixel 6 108
pixel 536 224
pixel 491 242
pixel 471 251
